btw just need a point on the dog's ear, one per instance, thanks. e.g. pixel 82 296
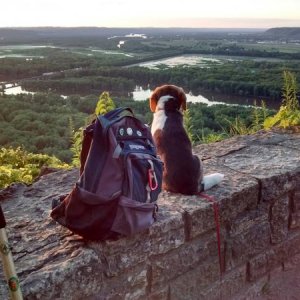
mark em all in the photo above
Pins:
pixel 153 100
pixel 182 98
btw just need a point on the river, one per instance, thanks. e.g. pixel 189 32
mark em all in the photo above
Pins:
pixel 141 94
pixel 211 98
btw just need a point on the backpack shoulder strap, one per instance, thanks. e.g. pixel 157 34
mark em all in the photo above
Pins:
pixel 86 144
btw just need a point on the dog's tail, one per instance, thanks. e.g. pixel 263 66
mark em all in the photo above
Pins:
pixel 211 180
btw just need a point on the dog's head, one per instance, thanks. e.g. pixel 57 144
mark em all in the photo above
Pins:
pixel 166 92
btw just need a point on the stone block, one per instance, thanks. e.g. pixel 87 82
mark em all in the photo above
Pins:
pixel 131 285
pixel 279 219
pixel 252 228
pixel 195 284
pixel 175 263
pixel 236 193
pixel 196 212
pixel 190 285
pixel 276 186
pixel 262 264
pixel 277 167
pixel 290 247
pixel 168 232
pixel 73 277
pixel 226 287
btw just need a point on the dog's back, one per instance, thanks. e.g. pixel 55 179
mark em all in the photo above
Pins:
pixel 182 169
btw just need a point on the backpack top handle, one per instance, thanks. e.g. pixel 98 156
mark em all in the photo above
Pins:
pixel 113 116
pixel 116 112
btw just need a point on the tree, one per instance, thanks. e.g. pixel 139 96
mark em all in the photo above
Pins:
pixel 105 104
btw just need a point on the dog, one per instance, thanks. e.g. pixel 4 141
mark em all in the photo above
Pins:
pixel 183 171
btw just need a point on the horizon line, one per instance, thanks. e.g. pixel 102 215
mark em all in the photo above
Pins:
pixel 143 27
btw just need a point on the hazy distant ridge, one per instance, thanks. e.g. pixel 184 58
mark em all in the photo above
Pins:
pixel 284 33
pixel 106 31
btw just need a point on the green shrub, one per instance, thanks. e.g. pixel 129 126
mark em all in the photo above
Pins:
pixel 289 112
pixel 18 165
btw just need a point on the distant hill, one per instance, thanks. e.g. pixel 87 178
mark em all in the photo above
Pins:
pixel 290 33
pixel 43 34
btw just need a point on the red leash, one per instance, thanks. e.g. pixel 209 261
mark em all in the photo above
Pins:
pixel 217 222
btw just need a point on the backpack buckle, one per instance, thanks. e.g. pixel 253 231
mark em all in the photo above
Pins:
pixel 152 179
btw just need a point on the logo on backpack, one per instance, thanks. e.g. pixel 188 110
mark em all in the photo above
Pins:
pixel 120 179
pixel 137 147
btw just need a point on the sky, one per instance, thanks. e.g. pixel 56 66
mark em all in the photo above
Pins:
pixel 154 13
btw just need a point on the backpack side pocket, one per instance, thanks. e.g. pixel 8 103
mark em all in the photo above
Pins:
pixel 133 216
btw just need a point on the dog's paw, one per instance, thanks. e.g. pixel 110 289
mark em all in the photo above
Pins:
pixel 211 180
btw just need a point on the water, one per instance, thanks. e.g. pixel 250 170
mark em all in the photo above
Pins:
pixel 189 60
pixel 15 90
pixel 201 61
pixel 140 94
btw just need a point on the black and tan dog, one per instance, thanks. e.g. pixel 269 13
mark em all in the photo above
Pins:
pixel 183 171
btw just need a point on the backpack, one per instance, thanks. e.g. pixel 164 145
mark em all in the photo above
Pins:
pixel 120 180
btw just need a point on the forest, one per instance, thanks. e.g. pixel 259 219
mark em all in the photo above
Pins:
pixel 45 123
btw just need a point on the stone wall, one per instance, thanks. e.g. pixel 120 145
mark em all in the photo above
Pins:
pixel 177 258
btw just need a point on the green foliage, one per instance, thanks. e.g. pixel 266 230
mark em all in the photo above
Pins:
pixel 219 122
pixel 290 91
pixel 76 146
pixel 18 165
pixel 289 112
pixel 258 116
pixel 105 104
pixel 187 122
pixel 238 127
pixel 284 118
pixel 213 137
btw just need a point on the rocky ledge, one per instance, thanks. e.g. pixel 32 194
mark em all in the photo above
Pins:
pixel 177 258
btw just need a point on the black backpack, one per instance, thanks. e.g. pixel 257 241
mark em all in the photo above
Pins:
pixel 120 179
